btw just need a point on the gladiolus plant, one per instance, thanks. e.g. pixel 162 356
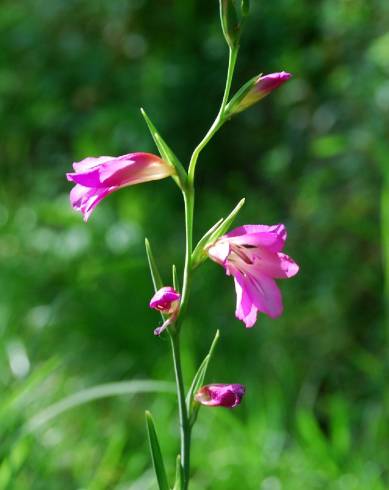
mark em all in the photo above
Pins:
pixel 252 254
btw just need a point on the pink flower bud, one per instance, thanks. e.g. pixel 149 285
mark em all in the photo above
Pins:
pixel 220 395
pixel 167 301
pixel 255 90
pixel 96 178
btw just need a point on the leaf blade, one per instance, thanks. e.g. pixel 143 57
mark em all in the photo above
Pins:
pixel 198 381
pixel 156 454
pixel 155 275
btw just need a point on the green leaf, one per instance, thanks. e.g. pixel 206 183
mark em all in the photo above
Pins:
pixel 98 392
pixel 198 381
pixel 178 480
pixel 176 280
pixel 155 276
pixel 156 454
pixel 219 229
pixel 225 226
pixel 245 6
pixel 165 151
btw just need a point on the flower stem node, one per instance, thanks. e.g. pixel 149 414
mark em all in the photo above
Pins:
pixel 167 301
pixel 220 395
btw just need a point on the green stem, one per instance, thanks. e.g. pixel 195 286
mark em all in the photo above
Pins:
pixel 385 244
pixel 219 121
pixel 185 429
pixel 189 195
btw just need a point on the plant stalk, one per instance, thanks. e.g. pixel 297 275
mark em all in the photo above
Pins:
pixel 189 197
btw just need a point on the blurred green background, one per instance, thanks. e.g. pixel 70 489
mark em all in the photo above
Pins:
pixel 73 302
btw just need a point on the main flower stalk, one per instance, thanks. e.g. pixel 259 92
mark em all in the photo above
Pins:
pixel 189 200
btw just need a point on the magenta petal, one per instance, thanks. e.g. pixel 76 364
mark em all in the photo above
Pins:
pixel 85 199
pixel 164 298
pixel 245 311
pixel 89 178
pixel 264 293
pixel 267 83
pixel 90 162
pixel 271 237
pixel 275 265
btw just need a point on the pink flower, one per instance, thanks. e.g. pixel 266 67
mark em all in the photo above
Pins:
pixel 96 178
pixel 252 254
pixel 261 87
pixel 220 395
pixel 167 301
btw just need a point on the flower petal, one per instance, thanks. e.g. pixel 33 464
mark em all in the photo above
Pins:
pixel 276 265
pixel 129 169
pixel 90 162
pixel 219 251
pixel 270 237
pixel 261 290
pixel 245 308
pixel 164 298
pixel 85 199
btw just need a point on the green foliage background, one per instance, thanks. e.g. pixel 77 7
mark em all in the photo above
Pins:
pixel 73 302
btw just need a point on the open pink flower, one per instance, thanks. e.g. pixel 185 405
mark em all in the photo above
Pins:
pixel 252 254
pixel 167 301
pixel 96 178
pixel 220 395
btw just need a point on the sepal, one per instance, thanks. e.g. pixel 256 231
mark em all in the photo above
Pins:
pixel 217 230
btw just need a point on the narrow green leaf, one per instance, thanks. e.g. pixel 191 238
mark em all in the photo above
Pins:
pixel 219 229
pixel 198 381
pixel 165 151
pixel 245 6
pixel 156 454
pixel 155 276
pixel 120 388
pixel 176 280
pixel 225 226
pixel 178 480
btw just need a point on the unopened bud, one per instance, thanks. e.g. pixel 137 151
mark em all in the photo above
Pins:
pixel 254 90
pixel 220 395
pixel 230 22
